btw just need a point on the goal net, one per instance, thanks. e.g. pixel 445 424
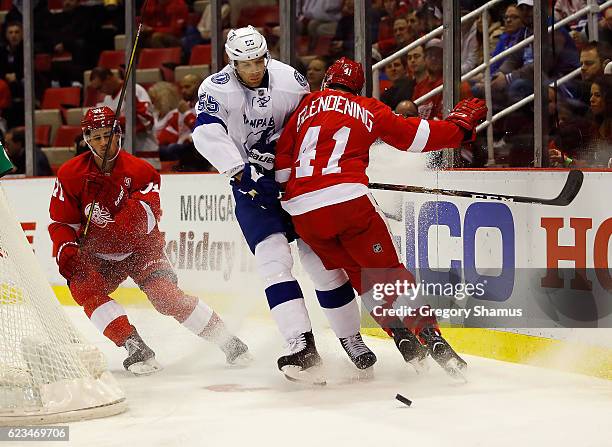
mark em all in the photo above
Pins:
pixel 48 372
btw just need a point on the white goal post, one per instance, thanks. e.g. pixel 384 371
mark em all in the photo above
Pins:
pixel 48 372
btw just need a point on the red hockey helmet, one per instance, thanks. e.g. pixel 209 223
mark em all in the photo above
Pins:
pixel 345 72
pixel 97 118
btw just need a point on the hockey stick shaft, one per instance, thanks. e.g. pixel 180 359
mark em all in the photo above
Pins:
pixel 128 72
pixel 569 192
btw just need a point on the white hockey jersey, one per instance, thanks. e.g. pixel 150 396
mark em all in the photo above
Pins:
pixel 236 124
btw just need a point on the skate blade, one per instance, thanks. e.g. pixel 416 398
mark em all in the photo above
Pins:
pixel 242 361
pixel 456 370
pixel 421 366
pixel 362 375
pixel 296 374
pixel 145 368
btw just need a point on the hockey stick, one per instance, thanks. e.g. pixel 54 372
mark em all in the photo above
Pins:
pixel 566 196
pixel 128 72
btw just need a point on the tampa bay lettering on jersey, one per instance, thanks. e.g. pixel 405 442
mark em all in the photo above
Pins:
pixel 256 123
pixel 338 104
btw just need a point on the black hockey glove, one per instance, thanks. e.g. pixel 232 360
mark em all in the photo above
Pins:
pixel 264 191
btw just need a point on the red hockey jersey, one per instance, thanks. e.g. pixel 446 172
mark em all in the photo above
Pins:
pixel 70 199
pixel 323 152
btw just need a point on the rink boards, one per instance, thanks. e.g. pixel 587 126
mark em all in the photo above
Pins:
pixel 499 241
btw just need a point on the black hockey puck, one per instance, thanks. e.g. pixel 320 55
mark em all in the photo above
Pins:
pixel 403 400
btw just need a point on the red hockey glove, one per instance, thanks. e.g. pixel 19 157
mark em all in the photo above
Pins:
pixel 467 114
pixel 106 192
pixel 68 259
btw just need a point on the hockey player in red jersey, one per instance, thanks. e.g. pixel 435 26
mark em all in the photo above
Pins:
pixel 123 240
pixel 321 160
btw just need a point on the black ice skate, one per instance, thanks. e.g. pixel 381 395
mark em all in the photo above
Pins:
pixel 443 354
pixel 358 352
pixel 411 348
pixel 141 358
pixel 301 358
pixel 236 352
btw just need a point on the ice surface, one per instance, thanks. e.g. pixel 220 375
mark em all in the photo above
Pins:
pixel 197 400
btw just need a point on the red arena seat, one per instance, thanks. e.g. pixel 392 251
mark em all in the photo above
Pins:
pixel 111 59
pixel 157 57
pixel 66 134
pixel 200 55
pixel 61 97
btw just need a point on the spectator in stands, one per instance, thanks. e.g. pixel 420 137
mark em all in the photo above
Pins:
pixel 430 15
pixel 319 18
pixel 416 64
pixel 577 146
pixel 403 34
pixel 165 99
pixel 601 111
pixel 105 81
pixel 11 71
pixel 402 86
pixel 201 33
pixel 392 9
pixel 514 32
pixel 42 22
pixel 316 72
pixel 73 28
pixel 593 58
pixel 605 26
pixel 565 8
pixel 407 108
pixel 5 103
pixel 188 87
pixel 517 70
pixel 432 108
pixel 343 42
pixel 14 143
pixel 175 138
pixel 471 47
pixel 163 23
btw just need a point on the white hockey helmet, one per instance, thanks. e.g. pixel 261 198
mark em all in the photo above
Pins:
pixel 245 44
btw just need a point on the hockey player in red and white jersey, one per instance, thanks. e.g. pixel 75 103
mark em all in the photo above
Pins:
pixel 123 240
pixel 321 158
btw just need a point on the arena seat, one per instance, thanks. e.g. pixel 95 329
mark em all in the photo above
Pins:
pixel 66 134
pixel 200 55
pixel 42 135
pixel 119 42
pixel 200 5
pixel 157 57
pixel 61 97
pixel 73 116
pixel 55 5
pixel 199 70
pixel 42 62
pixel 51 117
pixel 111 58
pixel 149 76
pixel 57 156
pixel 259 16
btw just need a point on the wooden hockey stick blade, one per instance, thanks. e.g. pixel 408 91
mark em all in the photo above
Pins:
pixel 570 190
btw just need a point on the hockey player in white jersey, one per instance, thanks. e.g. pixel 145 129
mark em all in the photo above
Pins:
pixel 240 114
